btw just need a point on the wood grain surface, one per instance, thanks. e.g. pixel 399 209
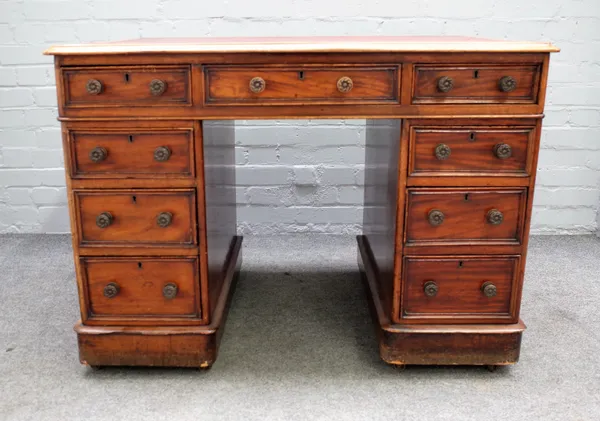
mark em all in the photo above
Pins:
pixel 459 281
pixel 471 150
pixel 121 85
pixel 230 85
pixel 135 214
pixel 131 153
pixel 475 84
pixel 465 214
pixel 140 284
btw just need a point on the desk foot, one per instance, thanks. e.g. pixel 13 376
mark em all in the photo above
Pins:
pixel 172 346
pixel 405 344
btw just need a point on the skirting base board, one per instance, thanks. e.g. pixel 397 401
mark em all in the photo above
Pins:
pixel 404 344
pixel 186 346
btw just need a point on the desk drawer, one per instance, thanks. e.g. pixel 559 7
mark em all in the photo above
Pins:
pixel 448 289
pixel 136 217
pixel 241 85
pixel 448 216
pixel 131 153
pixel 476 84
pixel 126 288
pixel 467 151
pixel 127 86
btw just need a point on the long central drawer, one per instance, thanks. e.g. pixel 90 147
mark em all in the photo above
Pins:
pixel 242 85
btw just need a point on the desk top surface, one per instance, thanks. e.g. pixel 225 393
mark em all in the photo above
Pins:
pixel 302 45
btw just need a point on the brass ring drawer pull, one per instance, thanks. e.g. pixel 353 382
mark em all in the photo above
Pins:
pixel 162 154
pixel 104 220
pixel 98 154
pixel 442 151
pixel 502 151
pixel 489 289
pixel 158 87
pixel 435 217
pixel 164 219
pixel 345 84
pixel 257 85
pixel 495 217
pixel 507 84
pixel 445 84
pixel 170 290
pixel 94 87
pixel 111 290
pixel 430 289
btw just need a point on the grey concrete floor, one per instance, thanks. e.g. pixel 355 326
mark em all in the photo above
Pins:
pixel 299 345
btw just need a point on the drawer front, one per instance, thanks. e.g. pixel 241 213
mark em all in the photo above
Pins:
pixel 152 288
pixel 264 85
pixel 468 151
pixel 476 84
pixel 136 217
pixel 452 288
pixel 134 153
pixel 448 216
pixel 131 86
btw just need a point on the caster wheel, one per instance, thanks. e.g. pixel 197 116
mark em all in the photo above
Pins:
pixel 491 368
pixel 400 367
pixel 95 367
pixel 204 366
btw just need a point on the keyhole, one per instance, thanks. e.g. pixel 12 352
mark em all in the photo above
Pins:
pixel 134 199
pixel 466 197
pixel 127 77
pixel 472 136
pixel 139 265
pixel 460 264
pixel 130 139
pixel 301 75
pixel 476 74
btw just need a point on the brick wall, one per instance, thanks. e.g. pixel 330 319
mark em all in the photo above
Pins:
pixel 287 181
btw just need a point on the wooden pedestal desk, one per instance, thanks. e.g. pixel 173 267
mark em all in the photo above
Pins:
pixel 453 130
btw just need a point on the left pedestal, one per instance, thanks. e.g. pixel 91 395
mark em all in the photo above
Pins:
pixel 153 218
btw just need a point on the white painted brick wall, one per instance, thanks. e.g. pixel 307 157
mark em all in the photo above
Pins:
pixel 288 181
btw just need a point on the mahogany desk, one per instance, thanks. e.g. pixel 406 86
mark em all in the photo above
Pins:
pixel 453 130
